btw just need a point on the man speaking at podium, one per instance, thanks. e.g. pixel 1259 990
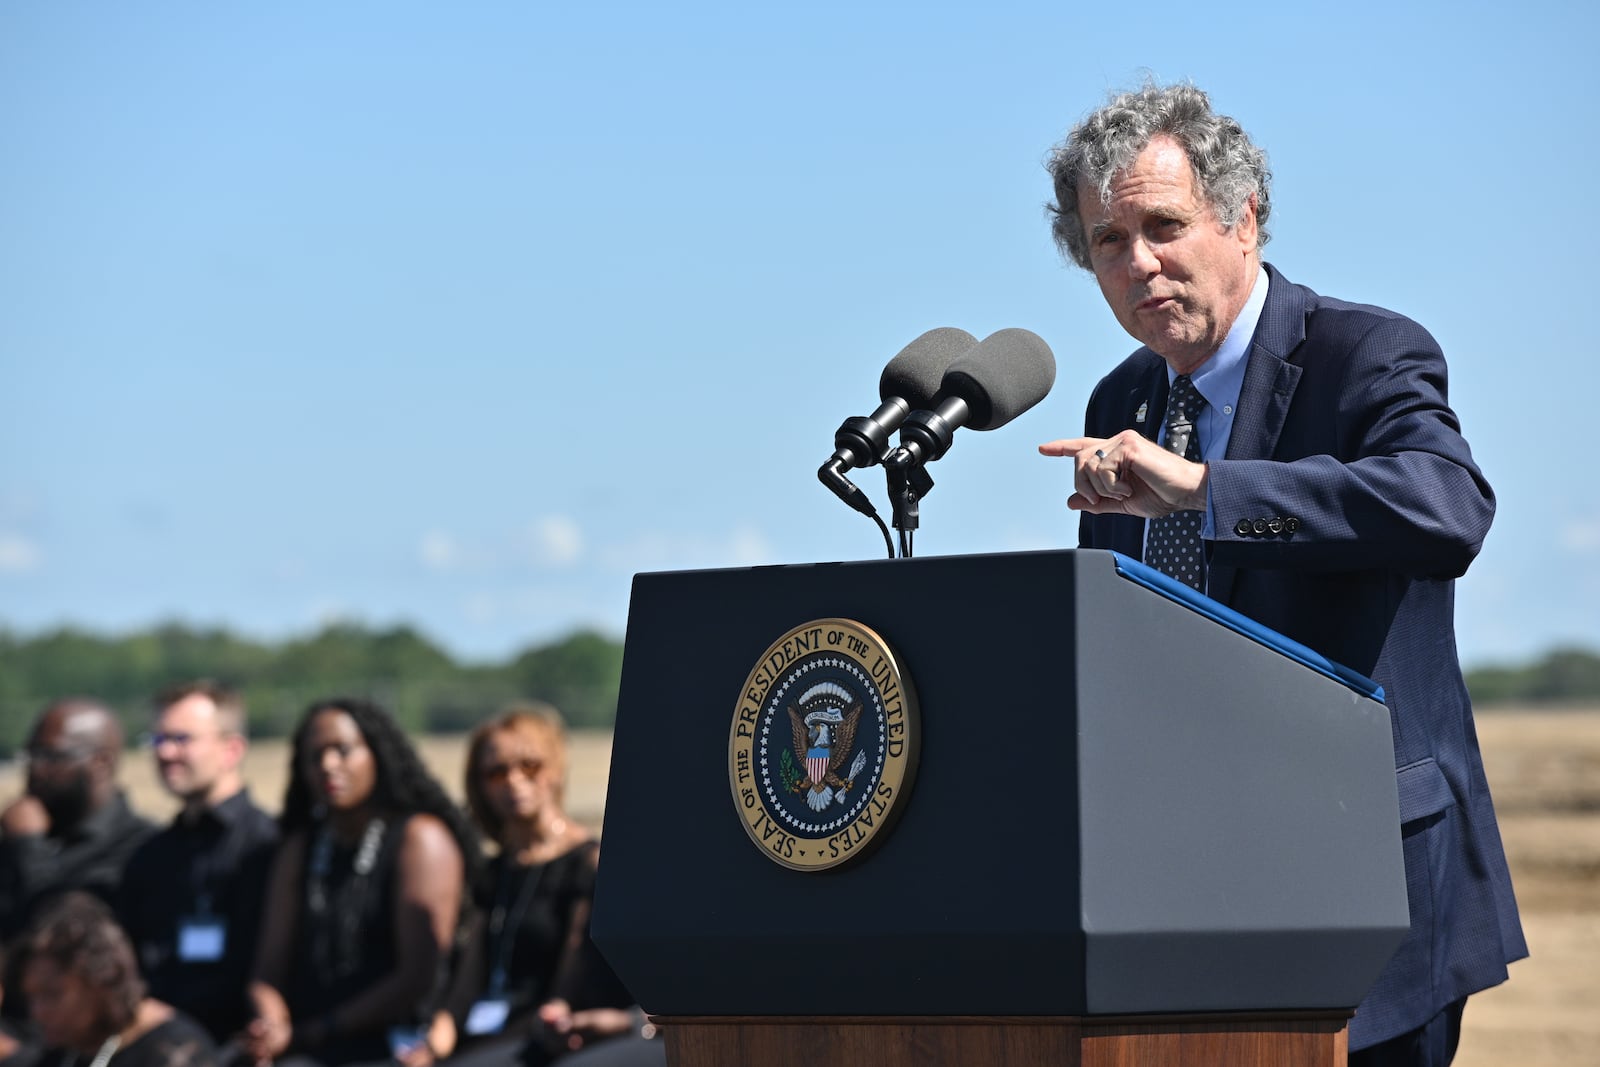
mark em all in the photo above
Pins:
pixel 1294 457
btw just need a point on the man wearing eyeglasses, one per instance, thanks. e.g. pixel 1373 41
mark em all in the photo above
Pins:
pixel 192 895
pixel 72 827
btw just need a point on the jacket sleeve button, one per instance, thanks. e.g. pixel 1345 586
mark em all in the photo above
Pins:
pixel 1242 528
pixel 1291 524
pixel 1261 526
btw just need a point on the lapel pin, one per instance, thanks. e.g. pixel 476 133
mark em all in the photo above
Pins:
pixel 1144 409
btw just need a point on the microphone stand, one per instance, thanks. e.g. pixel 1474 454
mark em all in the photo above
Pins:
pixel 908 482
pixel 925 436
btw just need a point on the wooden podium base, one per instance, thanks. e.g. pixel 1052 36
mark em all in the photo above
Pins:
pixel 1227 1040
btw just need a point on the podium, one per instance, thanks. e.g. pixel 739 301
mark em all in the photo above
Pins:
pixel 1141 829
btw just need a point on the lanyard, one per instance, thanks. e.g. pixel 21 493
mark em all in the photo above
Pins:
pixel 503 924
pixel 108 1049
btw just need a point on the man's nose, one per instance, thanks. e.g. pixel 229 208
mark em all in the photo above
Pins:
pixel 1142 261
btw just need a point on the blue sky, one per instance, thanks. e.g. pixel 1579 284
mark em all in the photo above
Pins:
pixel 461 314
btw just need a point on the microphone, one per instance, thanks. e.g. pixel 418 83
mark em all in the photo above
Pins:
pixel 909 382
pixel 985 387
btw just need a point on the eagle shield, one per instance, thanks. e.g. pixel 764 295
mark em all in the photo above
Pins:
pixel 823 736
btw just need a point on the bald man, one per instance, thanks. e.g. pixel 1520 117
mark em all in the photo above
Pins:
pixel 72 828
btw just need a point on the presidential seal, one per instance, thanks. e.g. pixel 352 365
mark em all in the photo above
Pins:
pixel 824 744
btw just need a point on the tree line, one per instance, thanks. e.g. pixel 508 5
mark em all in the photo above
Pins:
pixel 423 685
pixel 429 691
pixel 1561 676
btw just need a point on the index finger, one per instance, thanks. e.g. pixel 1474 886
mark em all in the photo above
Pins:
pixel 1067 446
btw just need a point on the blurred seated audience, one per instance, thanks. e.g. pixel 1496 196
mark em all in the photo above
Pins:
pixel 192 896
pixel 536 991
pixel 87 1000
pixel 365 899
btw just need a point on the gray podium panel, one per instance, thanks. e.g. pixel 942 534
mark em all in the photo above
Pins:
pixel 1240 826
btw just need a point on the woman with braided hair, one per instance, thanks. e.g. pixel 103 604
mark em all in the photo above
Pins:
pixel 366 895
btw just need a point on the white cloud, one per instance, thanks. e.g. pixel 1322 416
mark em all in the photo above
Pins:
pixel 555 541
pixel 749 547
pixel 18 555
pixel 546 607
pixel 1581 536
pixel 439 551
pixel 742 546
pixel 558 543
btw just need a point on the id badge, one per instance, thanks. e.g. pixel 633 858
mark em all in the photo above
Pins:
pixel 405 1039
pixel 202 940
pixel 488 1016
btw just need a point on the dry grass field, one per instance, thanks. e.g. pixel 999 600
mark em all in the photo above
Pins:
pixel 1544 769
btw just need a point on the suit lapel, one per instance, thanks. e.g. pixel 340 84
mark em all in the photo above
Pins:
pixel 1141 410
pixel 1269 377
pixel 1150 398
pixel 1268 388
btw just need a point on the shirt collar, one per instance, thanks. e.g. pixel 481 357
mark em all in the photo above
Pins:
pixel 1220 378
pixel 226 813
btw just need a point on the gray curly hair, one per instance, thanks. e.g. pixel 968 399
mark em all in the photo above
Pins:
pixel 1228 166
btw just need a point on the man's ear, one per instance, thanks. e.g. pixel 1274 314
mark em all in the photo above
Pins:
pixel 1245 228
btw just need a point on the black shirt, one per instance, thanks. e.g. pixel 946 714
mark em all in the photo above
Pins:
pixel 90 856
pixel 178 1042
pixel 530 912
pixel 208 872
pixel 27 1052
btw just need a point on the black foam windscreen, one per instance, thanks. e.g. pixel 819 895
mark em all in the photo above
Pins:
pixel 1001 377
pixel 917 372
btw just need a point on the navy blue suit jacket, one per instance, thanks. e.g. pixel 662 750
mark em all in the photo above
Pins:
pixel 1347 505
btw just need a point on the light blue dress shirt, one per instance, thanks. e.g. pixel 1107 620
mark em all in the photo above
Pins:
pixel 1219 380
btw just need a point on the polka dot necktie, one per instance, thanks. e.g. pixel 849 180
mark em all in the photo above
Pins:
pixel 1172 543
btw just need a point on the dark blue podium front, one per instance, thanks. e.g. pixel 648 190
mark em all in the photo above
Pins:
pixel 1126 803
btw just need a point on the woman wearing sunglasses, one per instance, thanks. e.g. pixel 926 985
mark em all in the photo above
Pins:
pixel 539 992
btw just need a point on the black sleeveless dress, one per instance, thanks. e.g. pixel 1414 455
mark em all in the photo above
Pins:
pixel 529 912
pixel 345 941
